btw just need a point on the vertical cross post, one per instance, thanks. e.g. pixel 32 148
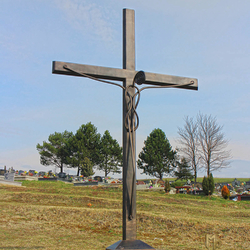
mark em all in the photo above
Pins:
pixel 129 178
pixel 129 158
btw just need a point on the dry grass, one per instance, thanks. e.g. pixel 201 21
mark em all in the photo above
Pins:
pixel 59 216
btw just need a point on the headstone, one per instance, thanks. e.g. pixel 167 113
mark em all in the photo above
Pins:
pixel 235 183
pixel 62 175
pixel 172 191
pixel 160 183
pixel 9 176
pixel 247 185
pixel 86 183
pixel 140 182
pixel 98 178
pixel 48 179
pixel 142 187
pixel 243 197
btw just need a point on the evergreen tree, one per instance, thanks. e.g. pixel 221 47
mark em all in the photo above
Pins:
pixel 183 170
pixel 208 185
pixel 111 154
pixel 205 185
pixel 211 183
pixel 86 167
pixel 55 151
pixel 157 156
pixel 84 144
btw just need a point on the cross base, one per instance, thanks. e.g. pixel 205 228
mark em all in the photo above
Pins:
pixel 129 245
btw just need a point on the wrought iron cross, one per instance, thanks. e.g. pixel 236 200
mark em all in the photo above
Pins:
pixel 131 93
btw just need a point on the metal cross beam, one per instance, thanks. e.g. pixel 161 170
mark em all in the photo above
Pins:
pixel 123 74
pixel 126 75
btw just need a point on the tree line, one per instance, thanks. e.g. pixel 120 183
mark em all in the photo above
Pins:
pixel 82 150
pixel 202 145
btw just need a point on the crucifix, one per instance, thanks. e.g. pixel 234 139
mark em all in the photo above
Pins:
pixel 131 95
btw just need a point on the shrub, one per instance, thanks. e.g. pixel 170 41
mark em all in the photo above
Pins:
pixel 205 185
pixel 208 185
pixel 225 192
pixel 167 186
pixel 211 183
pixel 177 184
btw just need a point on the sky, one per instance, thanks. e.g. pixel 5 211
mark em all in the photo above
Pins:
pixel 207 40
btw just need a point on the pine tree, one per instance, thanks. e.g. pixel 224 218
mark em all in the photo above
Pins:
pixel 208 185
pixel 184 170
pixel 157 156
pixel 211 183
pixel 55 151
pixel 205 185
pixel 111 154
pixel 86 167
pixel 84 144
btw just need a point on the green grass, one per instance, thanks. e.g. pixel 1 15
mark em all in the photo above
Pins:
pixel 228 180
pixel 216 180
pixel 56 215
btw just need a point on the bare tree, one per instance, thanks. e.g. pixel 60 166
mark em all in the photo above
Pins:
pixel 214 155
pixel 189 141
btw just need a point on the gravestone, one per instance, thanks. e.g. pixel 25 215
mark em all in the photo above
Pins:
pixel 62 175
pixel 247 186
pixel 86 184
pixel 48 179
pixel 9 176
pixel 98 178
pixel 235 183
pixel 140 183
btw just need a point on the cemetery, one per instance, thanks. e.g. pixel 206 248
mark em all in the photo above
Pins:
pixel 239 189
pixel 84 214
pixel 83 211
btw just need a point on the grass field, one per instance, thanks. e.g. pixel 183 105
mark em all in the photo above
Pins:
pixel 55 215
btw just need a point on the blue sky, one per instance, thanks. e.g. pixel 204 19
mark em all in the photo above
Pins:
pixel 208 40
